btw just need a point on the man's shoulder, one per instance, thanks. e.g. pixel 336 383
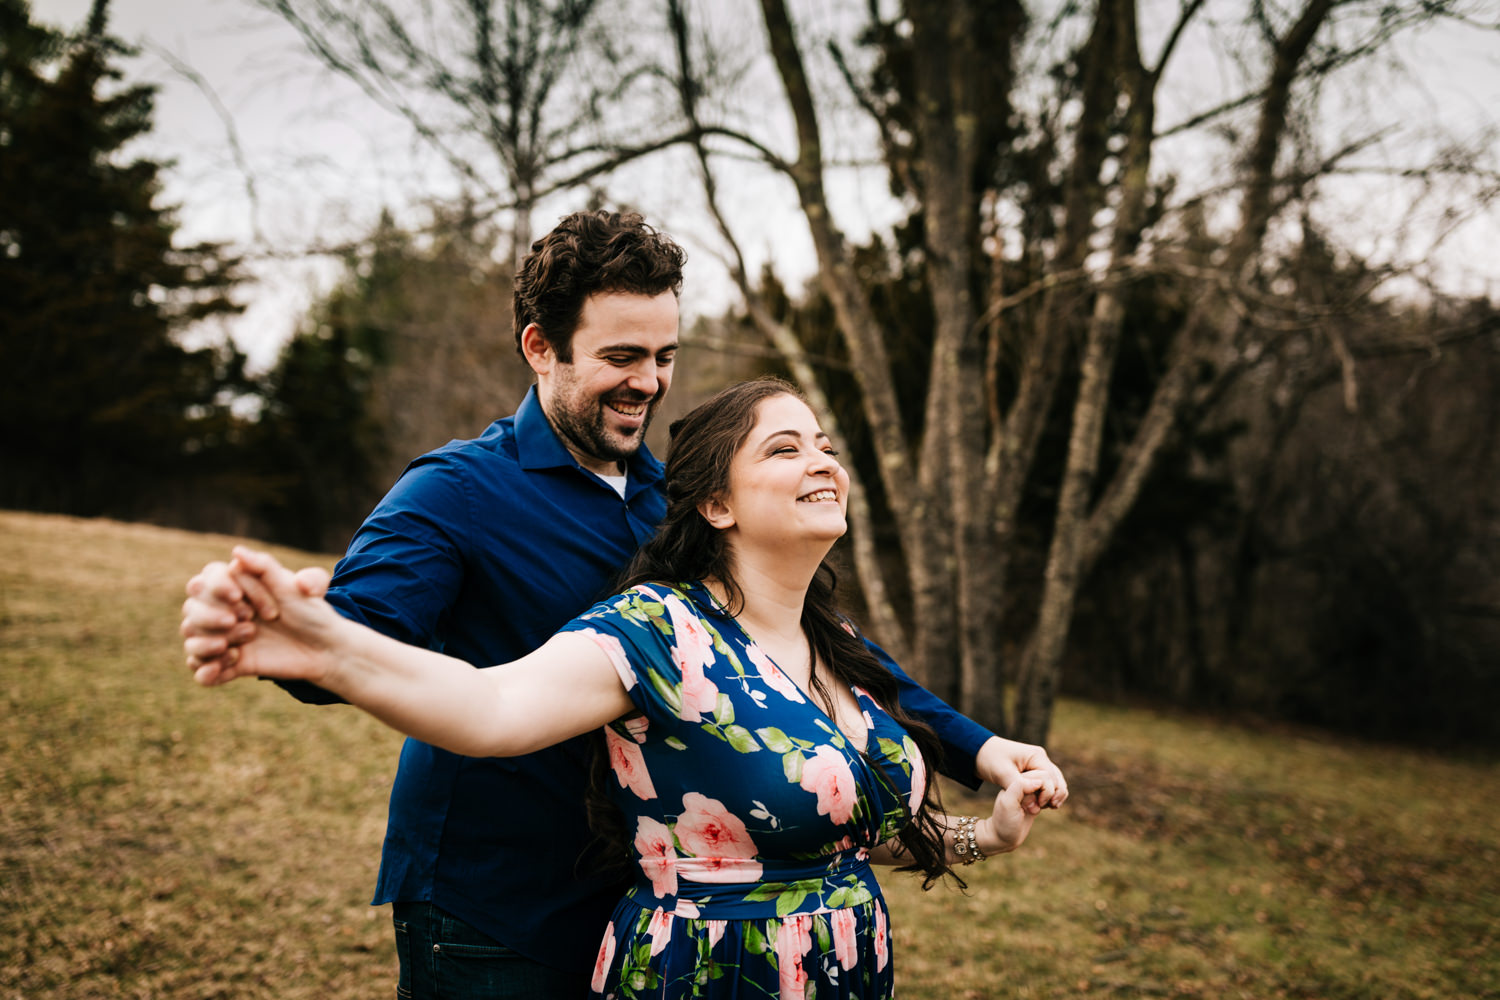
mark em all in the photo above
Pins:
pixel 493 450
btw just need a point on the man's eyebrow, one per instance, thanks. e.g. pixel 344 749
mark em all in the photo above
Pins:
pixel 634 349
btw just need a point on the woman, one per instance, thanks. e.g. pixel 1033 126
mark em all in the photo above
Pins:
pixel 760 760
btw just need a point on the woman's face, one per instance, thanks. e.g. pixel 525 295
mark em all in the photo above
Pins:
pixel 785 483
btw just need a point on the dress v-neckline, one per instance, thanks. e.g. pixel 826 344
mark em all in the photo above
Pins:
pixel 864 714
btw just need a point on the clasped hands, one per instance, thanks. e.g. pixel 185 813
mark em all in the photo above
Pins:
pixel 253 617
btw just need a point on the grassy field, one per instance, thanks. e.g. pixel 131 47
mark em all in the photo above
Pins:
pixel 158 840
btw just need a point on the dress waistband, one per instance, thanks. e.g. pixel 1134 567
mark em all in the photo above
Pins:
pixel 704 889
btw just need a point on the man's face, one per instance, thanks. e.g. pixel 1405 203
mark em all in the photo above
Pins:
pixel 602 401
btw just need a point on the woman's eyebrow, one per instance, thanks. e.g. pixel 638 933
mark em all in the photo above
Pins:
pixel 789 432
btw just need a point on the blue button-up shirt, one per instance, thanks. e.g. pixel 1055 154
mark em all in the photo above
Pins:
pixel 483 549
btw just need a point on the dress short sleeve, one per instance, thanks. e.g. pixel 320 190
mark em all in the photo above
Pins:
pixel 660 647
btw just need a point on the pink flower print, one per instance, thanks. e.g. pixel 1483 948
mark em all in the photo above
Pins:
pixel 699 695
pixel 845 937
pixel 629 764
pixel 827 775
pixel 692 650
pixel 716 837
pixel 653 842
pixel 773 676
pixel 882 939
pixel 616 653
pixel 687 910
pixel 605 958
pixel 691 642
pixel 720 871
pixel 716 929
pixel 918 775
pixel 659 930
pixel 793 942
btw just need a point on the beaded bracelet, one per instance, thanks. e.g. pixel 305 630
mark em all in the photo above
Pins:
pixel 965 845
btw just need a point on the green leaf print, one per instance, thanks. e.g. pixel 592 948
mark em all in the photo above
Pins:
pixel 724 710
pixel 791 764
pixel 765 891
pixel 739 737
pixel 639 608
pixel 834 736
pixel 858 894
pixel 755 940
pixel 787 904
pixel 675 743
pixel 670 693
pixel 796 894
pixel 774 739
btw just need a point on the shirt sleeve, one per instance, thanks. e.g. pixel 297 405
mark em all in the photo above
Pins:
pixel 405 564
pixel 960 736
pixel 659 647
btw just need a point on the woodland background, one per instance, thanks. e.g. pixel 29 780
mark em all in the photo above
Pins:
pixel 1138 408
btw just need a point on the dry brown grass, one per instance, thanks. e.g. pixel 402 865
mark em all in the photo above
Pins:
pixel 158 840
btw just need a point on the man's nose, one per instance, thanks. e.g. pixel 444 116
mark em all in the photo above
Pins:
pixel 645 378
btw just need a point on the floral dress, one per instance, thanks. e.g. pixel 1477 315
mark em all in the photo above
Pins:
pixel 752 815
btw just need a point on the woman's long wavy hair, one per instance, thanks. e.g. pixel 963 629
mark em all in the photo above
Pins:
pixel 687 548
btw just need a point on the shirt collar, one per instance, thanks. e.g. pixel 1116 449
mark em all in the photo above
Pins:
pixel 539 447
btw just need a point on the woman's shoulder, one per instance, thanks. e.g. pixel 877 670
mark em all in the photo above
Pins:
pixel 645 601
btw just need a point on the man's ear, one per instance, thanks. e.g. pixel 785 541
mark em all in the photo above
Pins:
pixel 717 513
pixel 537 350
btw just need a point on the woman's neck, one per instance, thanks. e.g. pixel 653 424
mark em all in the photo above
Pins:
pixel 772 592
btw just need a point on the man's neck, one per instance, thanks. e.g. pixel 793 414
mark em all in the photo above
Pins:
pixel 598 466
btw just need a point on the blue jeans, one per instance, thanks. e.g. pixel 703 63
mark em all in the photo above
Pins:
pixel 443 958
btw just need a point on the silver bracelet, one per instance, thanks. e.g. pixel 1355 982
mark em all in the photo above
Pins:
pixel 965 844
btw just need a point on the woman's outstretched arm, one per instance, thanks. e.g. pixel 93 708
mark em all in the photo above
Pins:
pixel 565 688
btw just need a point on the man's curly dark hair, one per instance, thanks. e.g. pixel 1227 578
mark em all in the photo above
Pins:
pixel 586 254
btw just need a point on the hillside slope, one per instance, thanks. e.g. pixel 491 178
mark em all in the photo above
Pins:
pixel 160 840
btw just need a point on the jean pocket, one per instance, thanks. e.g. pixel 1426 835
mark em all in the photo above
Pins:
pixel 466 971
pixel 403 956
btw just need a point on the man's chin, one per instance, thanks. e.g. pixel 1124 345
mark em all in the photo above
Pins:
pixel 625 447
pixel 616 445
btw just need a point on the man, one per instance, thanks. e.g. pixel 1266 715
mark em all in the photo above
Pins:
pixel 483 549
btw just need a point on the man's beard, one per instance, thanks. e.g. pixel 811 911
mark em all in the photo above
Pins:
pixel 586 431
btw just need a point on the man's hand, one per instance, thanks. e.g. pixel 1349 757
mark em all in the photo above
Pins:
pixel 1002 762
pixel 220 611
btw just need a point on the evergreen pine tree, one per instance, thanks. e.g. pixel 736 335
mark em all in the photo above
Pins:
pixel 100 407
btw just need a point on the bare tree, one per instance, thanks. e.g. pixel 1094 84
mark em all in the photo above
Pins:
pixel 521 99
pixel 1097 215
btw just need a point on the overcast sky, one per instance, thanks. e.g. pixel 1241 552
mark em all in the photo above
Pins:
pixel 324 159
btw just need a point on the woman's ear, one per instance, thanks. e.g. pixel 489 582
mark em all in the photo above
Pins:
pixel 537 350
pixel 717 513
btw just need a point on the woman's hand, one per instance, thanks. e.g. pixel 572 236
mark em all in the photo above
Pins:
pixel 1003 762
pixel 295 628
pixel 1010 821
